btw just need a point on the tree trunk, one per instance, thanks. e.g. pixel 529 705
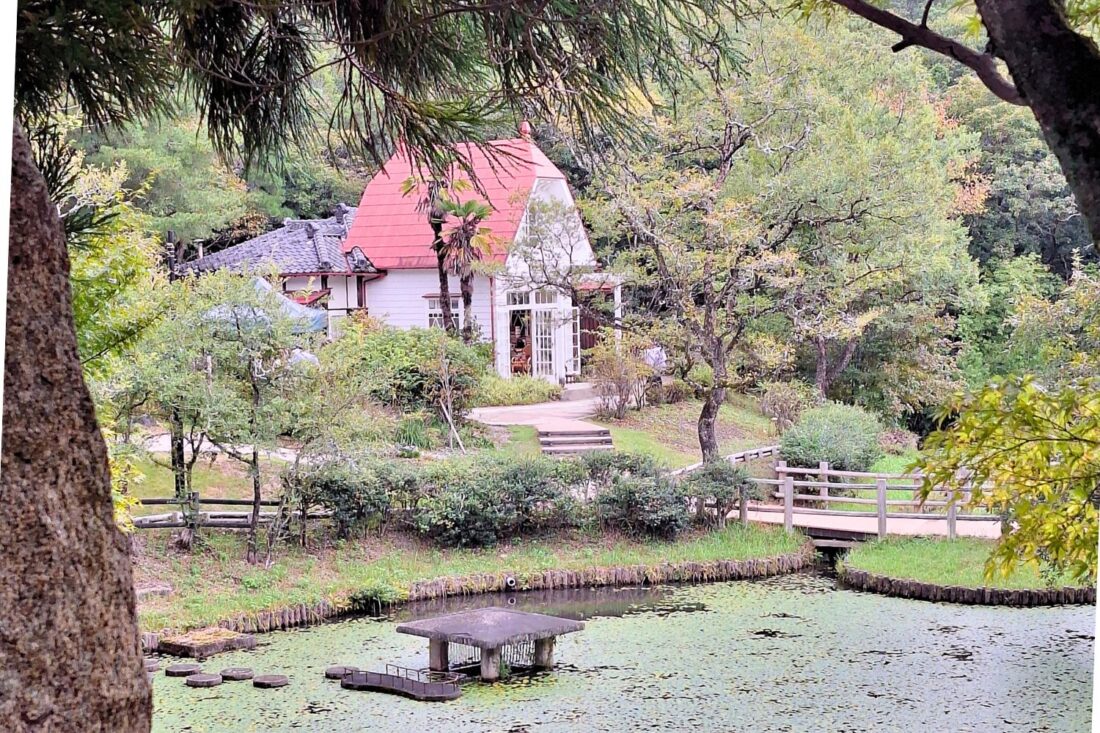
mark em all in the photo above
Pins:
pixel 821 367
pixel 254 523
pixel 444 281
pixel 466 284
pixel 824 375
pixel 178 454
pixel 708 416
pixel 70 657
pixel 1056 71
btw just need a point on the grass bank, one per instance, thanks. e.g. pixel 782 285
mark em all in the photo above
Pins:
pixel 215 583
pixel 669 433
pixel 958 562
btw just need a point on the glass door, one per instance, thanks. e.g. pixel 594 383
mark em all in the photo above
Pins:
pixel 543 338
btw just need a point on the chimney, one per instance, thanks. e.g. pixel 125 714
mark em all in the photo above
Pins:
pixel 525 130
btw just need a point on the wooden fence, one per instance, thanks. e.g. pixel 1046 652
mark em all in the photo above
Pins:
pixel 744 456
pixel 193 506
pixel 816 489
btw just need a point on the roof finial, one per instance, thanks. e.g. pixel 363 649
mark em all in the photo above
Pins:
pixel 525 130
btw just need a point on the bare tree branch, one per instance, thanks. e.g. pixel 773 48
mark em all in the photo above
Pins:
pixel 983 64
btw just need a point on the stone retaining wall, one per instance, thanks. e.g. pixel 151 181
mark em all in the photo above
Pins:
pixel 905 588
pixel 684 572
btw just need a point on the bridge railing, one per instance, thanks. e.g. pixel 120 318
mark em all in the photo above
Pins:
pixel 831 492
pixel 752 454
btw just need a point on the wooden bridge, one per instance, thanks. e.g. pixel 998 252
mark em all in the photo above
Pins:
pixel 839 508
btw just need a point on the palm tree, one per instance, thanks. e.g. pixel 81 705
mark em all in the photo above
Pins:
pixel 466 243
pixel 434 202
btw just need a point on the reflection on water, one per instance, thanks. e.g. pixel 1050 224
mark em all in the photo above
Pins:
pixel 784 654
pixel 574 603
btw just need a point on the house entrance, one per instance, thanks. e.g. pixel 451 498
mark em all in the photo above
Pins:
pixel 519 337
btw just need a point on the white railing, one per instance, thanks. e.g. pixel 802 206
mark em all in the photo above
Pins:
pixel 744 456
pixel 813 486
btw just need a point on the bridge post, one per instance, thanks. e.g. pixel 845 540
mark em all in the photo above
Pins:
pixel 880 485
pixel 788 495
pixel 952 513
pixel 823 467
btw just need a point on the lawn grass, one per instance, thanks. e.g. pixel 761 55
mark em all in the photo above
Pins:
pixel 223 479
pixel 523 442
pixel 669 433
pixel 885 464
pixel 216 583
pixel 944 562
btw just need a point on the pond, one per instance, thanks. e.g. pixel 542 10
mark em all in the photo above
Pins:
pixel 791 653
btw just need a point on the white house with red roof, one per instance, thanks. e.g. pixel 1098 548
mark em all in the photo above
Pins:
pixel 389 269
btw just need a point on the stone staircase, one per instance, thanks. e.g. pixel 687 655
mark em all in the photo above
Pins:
pixel 571 442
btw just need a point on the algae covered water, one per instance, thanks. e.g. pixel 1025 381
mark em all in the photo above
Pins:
pixel 792 653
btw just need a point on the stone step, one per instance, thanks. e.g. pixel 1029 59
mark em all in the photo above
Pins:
pixel 595 433
pixel 567 450
pixel 574 440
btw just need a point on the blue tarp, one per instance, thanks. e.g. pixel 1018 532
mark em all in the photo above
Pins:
pixel 306 320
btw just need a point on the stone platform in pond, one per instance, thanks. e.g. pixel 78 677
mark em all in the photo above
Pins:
pixel 490 630
pixel 203 643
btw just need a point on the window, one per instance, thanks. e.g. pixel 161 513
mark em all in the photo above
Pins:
pixel 546 296
pixel 516 297
pixel 435 312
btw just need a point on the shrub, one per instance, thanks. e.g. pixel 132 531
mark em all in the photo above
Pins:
pixel 619 373
pixel 676 391
pixel 897 441
pixel 405 365
pixel 722 483
pixel 650 506
pixel 493 390
pixel 480 502
pixel 357 493
pixel 784 402
pixel 466 513
pixel 844 435
pixel 602 467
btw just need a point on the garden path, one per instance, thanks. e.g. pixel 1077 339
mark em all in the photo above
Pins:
pixel 561 415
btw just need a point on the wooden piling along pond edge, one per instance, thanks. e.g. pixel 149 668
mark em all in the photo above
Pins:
pixel 983 596
pixel 712 571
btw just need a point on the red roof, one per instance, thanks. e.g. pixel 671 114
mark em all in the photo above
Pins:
pixel 394 235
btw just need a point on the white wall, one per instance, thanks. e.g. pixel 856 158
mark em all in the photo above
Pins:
pixel 343 293
pixel 568 247
pixel 398 298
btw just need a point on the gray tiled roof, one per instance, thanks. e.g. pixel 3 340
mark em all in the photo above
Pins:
pixel 299 246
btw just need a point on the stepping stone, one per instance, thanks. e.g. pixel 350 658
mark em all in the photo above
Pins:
pixel 337 672
pixel 268 681
pixel 235 674
pixel 203 680
pixel 151 664
pixel 182 670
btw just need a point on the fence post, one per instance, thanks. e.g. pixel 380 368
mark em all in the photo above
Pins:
pixel 193 511
pixel 788 495
pixel 823 477
pixel 880 484
pixel 952 513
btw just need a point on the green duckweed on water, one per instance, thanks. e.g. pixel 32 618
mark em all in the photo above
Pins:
pixel 791 653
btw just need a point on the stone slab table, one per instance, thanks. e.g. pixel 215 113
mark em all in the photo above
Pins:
pixel 490 629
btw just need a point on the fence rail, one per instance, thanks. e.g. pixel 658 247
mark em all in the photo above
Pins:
pixel 790 479
pixel 191 513
pixel 744 456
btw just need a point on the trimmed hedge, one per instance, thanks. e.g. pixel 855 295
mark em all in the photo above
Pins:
pixel 844 435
